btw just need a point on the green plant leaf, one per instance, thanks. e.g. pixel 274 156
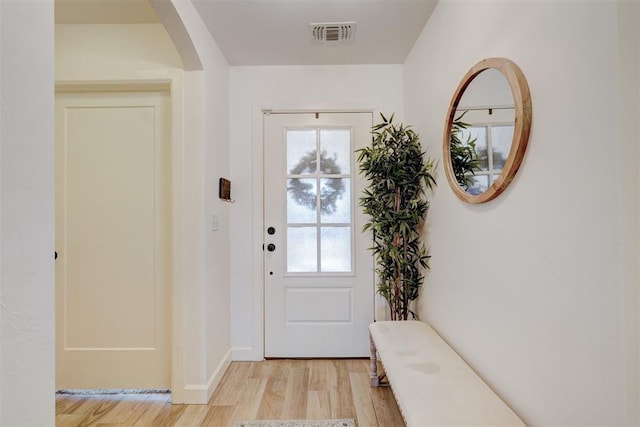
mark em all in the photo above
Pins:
pixel 399 174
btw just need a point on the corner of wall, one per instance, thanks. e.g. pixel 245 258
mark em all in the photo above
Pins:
pixel 27 318
pixel 174 25
pixel 200 394
pixel 629 110
pixel 206 158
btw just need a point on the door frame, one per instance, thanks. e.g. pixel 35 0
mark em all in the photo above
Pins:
pixel 256 352
pixel 357 281
pixel 174 84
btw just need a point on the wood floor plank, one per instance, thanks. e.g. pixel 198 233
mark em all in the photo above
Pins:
pixel 169 415
pixel 318 374
pixel 68 420
pixel 231 385
pixel 295 397
pixel 111 425
pixel 271 389
pixel 154 405
pixel 218 416
pixel 340 391
pixel 387 411
pixel 360 388
pixel 95 410
pixel 128 409
pixel 332 388
pixel 260 370
pixel 318 405
pixel 66 403
pixel 272 400
pixel 90 404
pixel 249 400
pixel 358 365
pixel 193 415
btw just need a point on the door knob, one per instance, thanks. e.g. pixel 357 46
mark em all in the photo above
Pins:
pixel 271 247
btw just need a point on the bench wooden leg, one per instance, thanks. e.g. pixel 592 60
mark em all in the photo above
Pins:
pixel 373 372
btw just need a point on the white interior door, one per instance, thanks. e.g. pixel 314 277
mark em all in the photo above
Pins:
pixel 319 287
pixel 112 238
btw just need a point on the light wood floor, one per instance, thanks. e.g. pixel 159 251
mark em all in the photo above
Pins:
pixel 273 389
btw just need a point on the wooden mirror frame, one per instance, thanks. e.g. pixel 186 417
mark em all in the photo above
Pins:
pixel 522 104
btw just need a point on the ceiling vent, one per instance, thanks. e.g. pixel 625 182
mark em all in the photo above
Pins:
pixel 333 31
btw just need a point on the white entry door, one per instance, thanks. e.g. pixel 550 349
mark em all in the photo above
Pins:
pixel 112 239
pixel 319 287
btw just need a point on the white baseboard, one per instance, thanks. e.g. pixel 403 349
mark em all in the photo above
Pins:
pixel 199 394
pixel 246 354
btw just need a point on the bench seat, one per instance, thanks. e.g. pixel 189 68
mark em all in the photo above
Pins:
pixel 432 385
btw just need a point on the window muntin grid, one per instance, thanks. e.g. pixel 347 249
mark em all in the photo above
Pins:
pixel 493 142
pixel 319 200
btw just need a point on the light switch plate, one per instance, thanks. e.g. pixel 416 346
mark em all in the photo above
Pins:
pixel 215 222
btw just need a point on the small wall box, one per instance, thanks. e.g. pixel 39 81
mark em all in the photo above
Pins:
pixel 224 191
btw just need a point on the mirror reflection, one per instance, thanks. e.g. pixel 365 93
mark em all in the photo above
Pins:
pixel 482 131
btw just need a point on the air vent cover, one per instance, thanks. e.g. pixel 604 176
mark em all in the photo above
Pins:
pixel 333 31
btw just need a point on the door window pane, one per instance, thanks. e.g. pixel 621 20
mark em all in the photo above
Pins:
pixel 336 249
pixel 335 144
pixel 501 138
pixel 302 200
pixel 302 249
pixel 301 151
pixel 335 200
pixel 480 184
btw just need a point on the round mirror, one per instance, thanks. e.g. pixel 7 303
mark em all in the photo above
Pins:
pixel 487 130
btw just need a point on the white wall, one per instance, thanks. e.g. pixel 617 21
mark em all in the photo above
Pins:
pixel 529 287
pixel 26 214
pixel 546 329
pixel 207 302
pixel 200 99
pixel 282 88
pixel 114 52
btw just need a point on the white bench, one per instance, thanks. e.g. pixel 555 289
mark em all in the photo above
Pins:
pixel 432 385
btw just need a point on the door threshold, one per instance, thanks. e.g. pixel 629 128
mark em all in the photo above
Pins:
pixel 95 391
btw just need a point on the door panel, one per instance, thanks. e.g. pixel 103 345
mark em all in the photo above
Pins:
pixel 311 305
pixel 112 237
pixel 319 292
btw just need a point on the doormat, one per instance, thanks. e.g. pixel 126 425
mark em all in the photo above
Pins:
pixel 296 423
pixel 91 391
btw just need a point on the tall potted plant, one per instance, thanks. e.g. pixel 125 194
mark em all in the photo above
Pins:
pixel 394 200
pixel 464 159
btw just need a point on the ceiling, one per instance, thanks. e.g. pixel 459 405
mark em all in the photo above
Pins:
pixel 276 32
